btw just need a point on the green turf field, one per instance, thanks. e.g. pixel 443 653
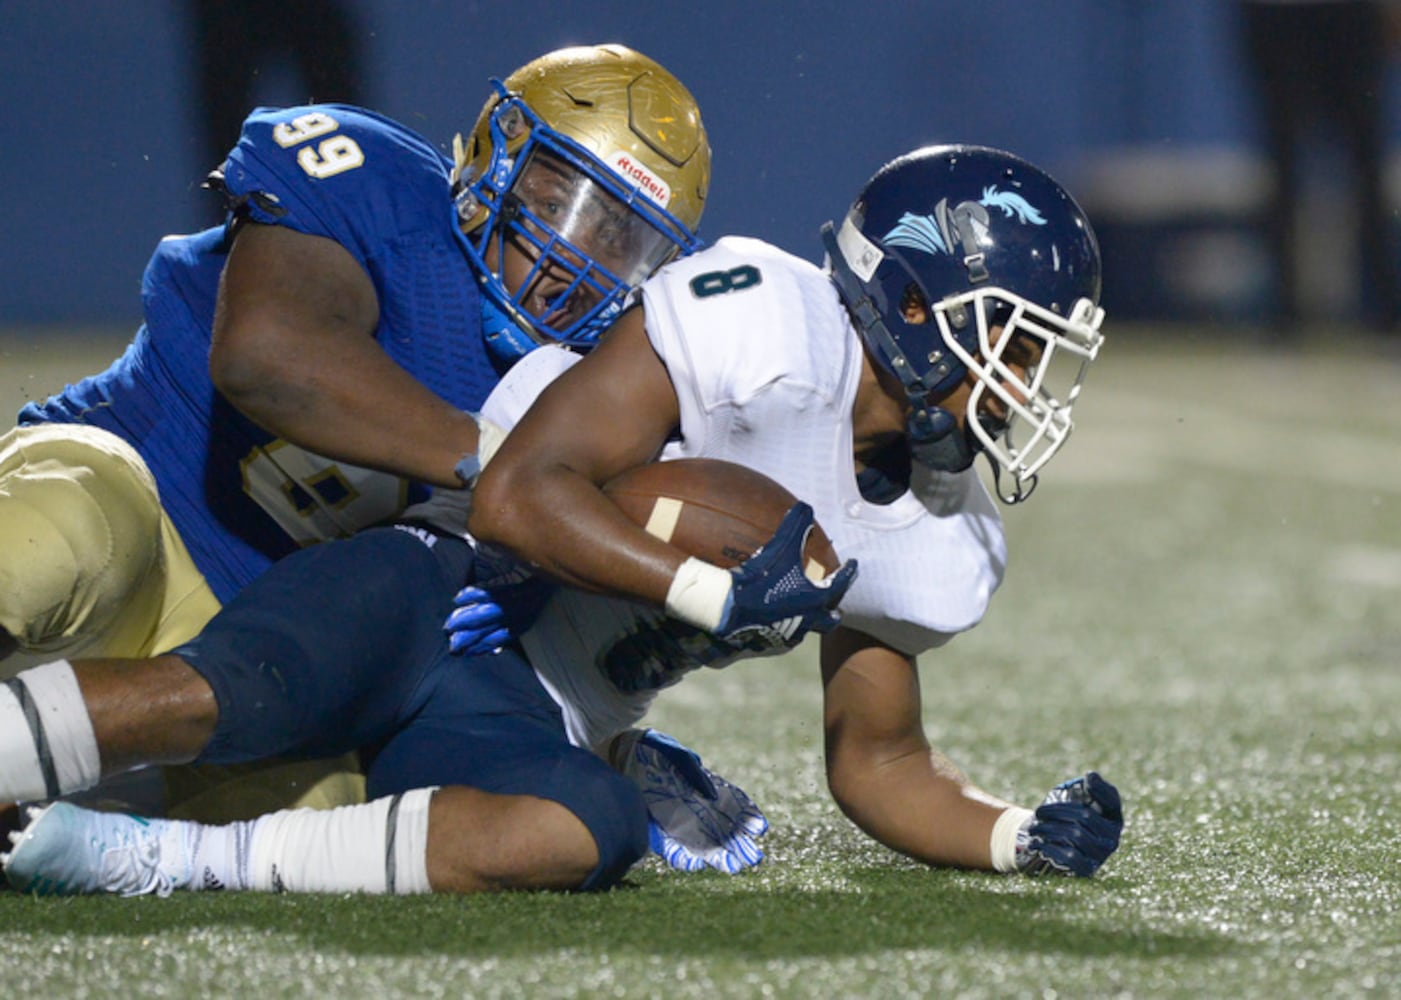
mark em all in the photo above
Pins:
pixel 1204 603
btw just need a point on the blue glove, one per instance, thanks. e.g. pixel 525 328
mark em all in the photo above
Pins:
pixel 1074 831
pixel 696 819
pixel 478 625
pixel 772 602
pixel 504 604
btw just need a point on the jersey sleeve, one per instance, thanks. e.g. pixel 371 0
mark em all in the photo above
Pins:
pixel 723 322
pixel 340 172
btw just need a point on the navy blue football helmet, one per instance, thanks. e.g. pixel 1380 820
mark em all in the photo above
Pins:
pixel 968 264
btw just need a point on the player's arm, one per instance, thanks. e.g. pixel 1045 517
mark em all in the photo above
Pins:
pixel 294 350
pixel 540 496
pixel 884 775
pixel 881 769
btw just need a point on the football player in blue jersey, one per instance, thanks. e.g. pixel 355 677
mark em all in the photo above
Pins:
pixel 310 367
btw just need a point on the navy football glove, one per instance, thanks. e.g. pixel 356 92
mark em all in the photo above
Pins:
pixel 695 819
pixel 1074 830
pixel 772 602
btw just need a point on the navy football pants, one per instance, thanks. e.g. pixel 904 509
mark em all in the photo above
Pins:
pixel 341 647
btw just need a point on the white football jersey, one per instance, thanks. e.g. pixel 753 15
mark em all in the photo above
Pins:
pixel 766 364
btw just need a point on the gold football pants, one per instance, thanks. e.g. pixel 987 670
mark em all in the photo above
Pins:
pixel 91 565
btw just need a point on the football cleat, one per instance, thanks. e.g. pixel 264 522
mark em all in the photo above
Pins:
pixel 66 850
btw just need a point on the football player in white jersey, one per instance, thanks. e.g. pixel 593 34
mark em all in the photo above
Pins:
pixel 958 316
pixel 959 285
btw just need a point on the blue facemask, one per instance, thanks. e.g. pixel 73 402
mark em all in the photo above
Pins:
pixel 505 342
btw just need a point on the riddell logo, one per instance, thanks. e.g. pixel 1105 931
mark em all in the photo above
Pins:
pixel 652 185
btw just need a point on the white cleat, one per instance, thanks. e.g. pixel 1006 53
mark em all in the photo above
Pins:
pixel 66 850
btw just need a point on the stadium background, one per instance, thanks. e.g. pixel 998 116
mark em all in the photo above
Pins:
pixel 1143 110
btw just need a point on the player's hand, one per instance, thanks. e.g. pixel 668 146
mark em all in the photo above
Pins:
pixel 1075 829
pixel 696 819
pixel 485 618
pixel 477 624
pixel 772 602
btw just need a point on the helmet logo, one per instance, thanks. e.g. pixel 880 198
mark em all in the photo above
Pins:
pixel 965 227
pixel 1012 204
pixel 628 166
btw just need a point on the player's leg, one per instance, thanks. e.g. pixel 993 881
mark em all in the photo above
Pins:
pixel 562 819
pixel 520 807
pixel 281 688
pixel 142 712
pixel 376 847
pixel 88 560
pixel 313 659
pixel 318 655
pixel 539 813
pixel 482 842
pixel 263 674
pixel 213 793
pixel 322 639
pixel 91 564
pixel 64 726
pixel 456 839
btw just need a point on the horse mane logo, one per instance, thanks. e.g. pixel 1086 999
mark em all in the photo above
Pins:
pixel 965 226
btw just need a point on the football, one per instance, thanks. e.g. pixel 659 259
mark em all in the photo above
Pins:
pixel 714 510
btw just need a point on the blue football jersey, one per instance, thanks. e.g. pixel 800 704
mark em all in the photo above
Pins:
pixel 239 497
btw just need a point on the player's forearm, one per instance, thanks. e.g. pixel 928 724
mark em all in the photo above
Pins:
pixel 922 809
pixel 558 520
pixel 880 767
pixel 376 419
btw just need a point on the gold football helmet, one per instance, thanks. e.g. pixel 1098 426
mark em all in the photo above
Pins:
pixel 593 163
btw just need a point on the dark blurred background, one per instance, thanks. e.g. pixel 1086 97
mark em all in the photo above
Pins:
pixel 1148 112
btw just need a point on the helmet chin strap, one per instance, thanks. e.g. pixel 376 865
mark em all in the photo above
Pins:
pixel 936 441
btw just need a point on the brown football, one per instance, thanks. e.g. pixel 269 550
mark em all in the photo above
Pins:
pixel 714 510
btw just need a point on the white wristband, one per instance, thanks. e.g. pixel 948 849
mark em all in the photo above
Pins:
pixel 1003 844
pixel 489 438
pixel 699 594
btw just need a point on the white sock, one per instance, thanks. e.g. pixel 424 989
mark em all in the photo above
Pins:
pixel 47 746
pixel 378 847
pixel 218 855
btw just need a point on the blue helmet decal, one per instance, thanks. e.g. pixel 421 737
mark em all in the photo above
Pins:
pixel 918 232
pixel 1011 204
pixel 966 224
